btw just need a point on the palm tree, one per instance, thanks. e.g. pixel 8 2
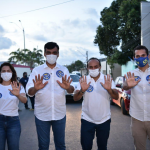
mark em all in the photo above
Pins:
pixel 27 57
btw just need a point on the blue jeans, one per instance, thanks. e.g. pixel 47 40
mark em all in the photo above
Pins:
pixel 10 130
pixel 43 132
pixel 88 130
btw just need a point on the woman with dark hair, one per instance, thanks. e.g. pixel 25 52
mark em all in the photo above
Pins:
pixel 10 94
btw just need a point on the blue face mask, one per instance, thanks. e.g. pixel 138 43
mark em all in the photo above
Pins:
pixel 141 61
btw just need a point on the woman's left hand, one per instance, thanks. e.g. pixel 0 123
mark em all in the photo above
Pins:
pixel 15 88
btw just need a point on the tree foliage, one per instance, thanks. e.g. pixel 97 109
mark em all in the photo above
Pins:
pixel 75 66
pixel 27 57
pixel 120 26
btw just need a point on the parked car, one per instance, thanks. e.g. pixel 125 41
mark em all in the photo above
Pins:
pixel 75 81
pixel 77 73
pixel 124 96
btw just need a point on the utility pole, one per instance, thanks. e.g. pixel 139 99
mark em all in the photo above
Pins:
pixel 23 33
pixel 87 59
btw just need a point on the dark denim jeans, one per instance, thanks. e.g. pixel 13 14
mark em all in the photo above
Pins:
pixel 43 132
pixel 88 130
pixel 10 130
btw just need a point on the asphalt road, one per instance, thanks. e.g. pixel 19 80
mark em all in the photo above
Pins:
pixel 120 136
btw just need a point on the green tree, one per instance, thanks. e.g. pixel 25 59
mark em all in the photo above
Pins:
pixel 27 57
pixel 120 25
pixel 75 66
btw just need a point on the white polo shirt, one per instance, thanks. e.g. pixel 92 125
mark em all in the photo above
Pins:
pixel 50 102
pixel 9 102
pixel 140 96
pixel 96 103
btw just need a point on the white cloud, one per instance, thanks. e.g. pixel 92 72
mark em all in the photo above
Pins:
pixel 92 12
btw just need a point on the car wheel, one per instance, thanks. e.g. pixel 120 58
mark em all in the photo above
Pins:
pixel 123 109
pixel 111 102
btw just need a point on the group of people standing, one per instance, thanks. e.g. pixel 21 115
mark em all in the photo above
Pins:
pixel 48 83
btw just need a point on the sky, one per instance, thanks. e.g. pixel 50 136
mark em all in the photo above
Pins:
pixel 71 24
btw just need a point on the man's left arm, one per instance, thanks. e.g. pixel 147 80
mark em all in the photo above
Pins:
pixel 113 93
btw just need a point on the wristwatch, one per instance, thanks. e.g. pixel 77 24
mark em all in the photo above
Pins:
pixel 81 92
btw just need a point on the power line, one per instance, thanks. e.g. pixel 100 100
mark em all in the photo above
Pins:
pixel 37 9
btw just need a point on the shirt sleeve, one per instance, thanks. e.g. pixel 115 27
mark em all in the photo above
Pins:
pixel 67 72
pixel 30 82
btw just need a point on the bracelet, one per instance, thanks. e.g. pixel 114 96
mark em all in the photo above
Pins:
pixel 81 92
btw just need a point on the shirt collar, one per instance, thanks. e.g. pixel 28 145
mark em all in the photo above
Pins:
pixel 57 65
pixel 142 71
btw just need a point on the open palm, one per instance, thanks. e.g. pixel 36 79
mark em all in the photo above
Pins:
pixel 15 88
pixel 83 84
pixel 130 80
pixel 65 82
pixel 38 82
pixel 107 83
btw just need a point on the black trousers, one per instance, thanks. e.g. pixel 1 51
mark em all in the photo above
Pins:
pixel 26 104
pixel 32 101
pixel 88 130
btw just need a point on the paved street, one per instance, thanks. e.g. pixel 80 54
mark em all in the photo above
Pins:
pixel 120 137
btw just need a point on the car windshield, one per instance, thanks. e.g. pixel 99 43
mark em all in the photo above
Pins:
pixel 78 74
pixel 75 78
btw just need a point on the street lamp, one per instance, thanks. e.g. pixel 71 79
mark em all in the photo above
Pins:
pixel 22 30
pixel 23 33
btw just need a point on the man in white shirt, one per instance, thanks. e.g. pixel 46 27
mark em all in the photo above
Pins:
pixel 48 83
pixel 96 90
pixel 138 81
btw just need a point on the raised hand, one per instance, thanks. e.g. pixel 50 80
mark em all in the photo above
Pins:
pixel 130 80
pixel 107 84
pixel 38 83
pixel 15 88
pixel 65 82
pixel 83 84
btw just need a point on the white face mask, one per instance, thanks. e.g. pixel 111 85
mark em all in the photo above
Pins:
pixel 6 76
pixel 94 73
pixel 51 59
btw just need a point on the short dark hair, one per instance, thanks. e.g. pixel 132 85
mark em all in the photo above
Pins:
pixel 14 74
pixel 24 73
pixel 94 58
pixel 51 45
pixel 139 47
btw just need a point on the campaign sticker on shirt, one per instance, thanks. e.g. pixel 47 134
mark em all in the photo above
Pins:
pixel 90 89
pixel 46 76
pixel 0 95
pixel 148 78
pixel 11 94
pixel 137 78
pixel 59 73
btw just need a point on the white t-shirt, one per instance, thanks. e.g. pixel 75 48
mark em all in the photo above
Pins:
pixel 8 102
pixel 96 103
pixel 50 102
pixel 140 96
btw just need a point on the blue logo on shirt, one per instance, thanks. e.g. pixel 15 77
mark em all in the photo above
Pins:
pixel 11 94
pixel 0 95
pixel 90 89
pixel 148 78
pixel 137 78
pixel 46 76
pixel 59 73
